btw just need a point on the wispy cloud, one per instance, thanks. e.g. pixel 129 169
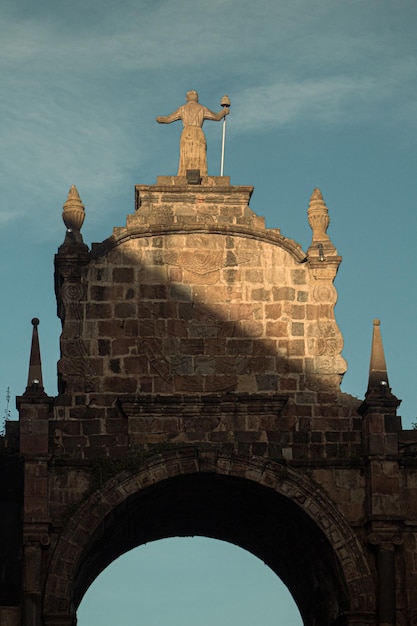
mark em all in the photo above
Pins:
pixel 82 83
pixel 329 100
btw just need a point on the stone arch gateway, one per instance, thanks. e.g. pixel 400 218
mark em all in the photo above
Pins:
pixel 273 511
pixel 199 394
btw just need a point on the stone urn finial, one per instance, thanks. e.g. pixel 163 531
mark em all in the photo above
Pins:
pixel 318 216
pixel 73 214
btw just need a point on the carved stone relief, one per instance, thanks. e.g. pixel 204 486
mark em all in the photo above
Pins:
pixel 74 362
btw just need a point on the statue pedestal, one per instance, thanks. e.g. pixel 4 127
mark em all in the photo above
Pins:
pixel 205 181
pixel 173 201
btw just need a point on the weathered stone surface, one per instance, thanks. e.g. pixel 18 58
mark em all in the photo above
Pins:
pixel 201 362
pixel 216 308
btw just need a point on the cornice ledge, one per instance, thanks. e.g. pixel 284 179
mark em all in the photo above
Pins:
pixel 121 235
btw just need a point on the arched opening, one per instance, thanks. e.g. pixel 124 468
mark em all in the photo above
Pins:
pixel 251 516
pixel 272 511
pixel 188 580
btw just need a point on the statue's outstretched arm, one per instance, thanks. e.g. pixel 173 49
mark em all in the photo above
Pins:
pixel 167 119
pixel 210 115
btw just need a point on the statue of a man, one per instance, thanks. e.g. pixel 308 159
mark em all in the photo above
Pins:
pixel 193 148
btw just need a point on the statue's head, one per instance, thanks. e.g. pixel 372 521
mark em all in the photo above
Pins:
pixel 192 96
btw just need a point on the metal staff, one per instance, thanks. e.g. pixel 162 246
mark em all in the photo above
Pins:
pixel 225 102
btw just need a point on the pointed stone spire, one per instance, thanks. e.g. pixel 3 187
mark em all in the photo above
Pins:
pixel 35 366
pixel 379 408
pixel 379 391
pixel 34 408
pixel 73 214
pixel 378 376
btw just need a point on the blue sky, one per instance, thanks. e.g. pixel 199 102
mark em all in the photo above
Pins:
pixel 188 581
pixel 324 94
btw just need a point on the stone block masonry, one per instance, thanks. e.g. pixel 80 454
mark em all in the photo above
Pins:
pixel 195 296
pixel 199 394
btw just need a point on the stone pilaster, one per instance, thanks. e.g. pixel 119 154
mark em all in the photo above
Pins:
pixel 326 341
pixel 386 541
pixel 71 261
pixel 34 412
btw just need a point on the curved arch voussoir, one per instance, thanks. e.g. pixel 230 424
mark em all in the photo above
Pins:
pixel 277 477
